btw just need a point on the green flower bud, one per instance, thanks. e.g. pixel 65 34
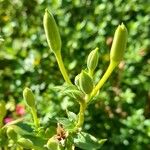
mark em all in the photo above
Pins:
pixel 11 133
pixel 2 109
pixel 51 31
pixel 25 143
pixel 119 43
pixel 92 60
pixel 29 97
pixel 85 82
pixel 53 144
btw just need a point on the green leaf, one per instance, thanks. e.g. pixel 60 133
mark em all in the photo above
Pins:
pixel 69 143
pixel 75 94
pixel 22 131
pixel 86 141
pixel 71 116
pixel 67 124
pixel 38 141
pixel 71 91
pixel 50 131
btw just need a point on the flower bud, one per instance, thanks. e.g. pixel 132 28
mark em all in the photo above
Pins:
pixel 51 31
pixel 2 109
pixel 53 144
pixel 92 60
pixel 29 97
pixel 119 43
pixel 85 82
pixel 25 143
pixel 11 133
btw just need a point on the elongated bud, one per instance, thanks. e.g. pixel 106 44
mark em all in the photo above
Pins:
pixel 119 43
pixel 53 144
pixel 25 143
pixel 92 60
pixel 29 97
pixel 11 133
pixel 51 31
pixel 85 82
pixel 2 109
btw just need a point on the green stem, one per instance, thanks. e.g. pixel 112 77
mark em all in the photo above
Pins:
pixel 35 118
pixel 91 73
pixel 81 115
pixel 1 122
pixel 108 72
pixel 62 67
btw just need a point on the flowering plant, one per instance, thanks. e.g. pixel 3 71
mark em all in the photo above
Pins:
pixel 62 133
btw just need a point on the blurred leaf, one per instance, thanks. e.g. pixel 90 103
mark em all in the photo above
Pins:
pixel 88 142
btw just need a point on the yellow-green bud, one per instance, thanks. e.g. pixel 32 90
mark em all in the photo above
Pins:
pixel 51 31
pixel 2 109
pixel 53 144
pixel 29 97
pixel 119 43
pixel 11 133
pixel 25 143
pixel 92 60
pixel 85 82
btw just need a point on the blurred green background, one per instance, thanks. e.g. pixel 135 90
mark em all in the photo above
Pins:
pixel 122 114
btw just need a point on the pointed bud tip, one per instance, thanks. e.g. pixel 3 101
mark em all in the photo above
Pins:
pixel 96 49
pixel 122 27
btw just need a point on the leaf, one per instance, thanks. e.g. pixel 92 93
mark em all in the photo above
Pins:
pixel 50 131
pixel 86 141
pixel 65 87
pixel 75 94
pixel 71 91
pixel 67 124
pixel 71 116
pixel 21 130
pixel 38 142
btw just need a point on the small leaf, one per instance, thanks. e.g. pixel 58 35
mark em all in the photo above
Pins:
pixel 75 94
pixel 71 116
pixel 38 142
pixel 87 142
pixel 67 124
pixel 25 143
pixel 21 131
pixel 71 91
pixel 53 144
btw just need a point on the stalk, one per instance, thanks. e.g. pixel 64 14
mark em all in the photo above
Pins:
pixel 108 72
pixel 81 115
pixel 35 118
pixel 62 67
